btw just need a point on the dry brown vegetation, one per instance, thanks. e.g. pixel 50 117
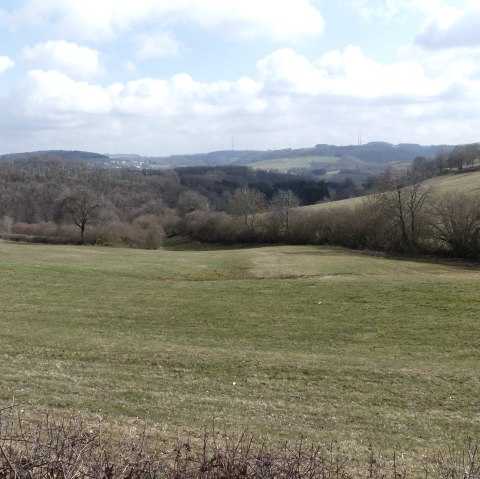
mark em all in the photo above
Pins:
pixel 56 448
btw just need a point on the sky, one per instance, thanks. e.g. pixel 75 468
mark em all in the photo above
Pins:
pixel 163 77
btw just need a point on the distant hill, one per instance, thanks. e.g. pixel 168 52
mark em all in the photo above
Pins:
pixel 214 158
pixel 62 154
pixel 327 162
pixel 375 152
pixel 381 152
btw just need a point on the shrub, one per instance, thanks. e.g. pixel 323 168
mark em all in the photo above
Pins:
pixel 456 224
pixel 151 229
pixel 36 229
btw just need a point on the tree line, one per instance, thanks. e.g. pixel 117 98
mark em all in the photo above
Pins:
pixel 459 159
pixel 401 214
pixel 404 217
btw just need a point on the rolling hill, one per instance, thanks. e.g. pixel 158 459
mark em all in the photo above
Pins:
pixel 73 155
pixel 324 161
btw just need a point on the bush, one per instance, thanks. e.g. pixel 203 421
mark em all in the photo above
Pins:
pixel 145 232
pixel 152 231
pixel 44 232
pixel 36 229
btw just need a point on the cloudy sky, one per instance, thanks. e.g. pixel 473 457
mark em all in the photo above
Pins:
pixel 160 77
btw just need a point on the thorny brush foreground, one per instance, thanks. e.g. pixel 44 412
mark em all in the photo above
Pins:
pixel 56 448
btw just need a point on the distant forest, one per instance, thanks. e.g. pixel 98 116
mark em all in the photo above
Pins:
pixel 31 189
pixel 37 196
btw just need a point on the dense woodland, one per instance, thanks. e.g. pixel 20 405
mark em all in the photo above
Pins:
pixel 55 200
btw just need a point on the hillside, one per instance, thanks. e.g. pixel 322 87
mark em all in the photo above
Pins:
pixel 62 154
pixel 468 183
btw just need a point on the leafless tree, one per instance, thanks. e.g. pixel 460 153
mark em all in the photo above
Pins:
pixel 282 208
pixel 190 201
pixel 456 223
pixel 248 203
pixel 82 206
pixel 401 201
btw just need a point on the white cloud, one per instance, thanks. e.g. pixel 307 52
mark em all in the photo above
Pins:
pixel 451 64
pixel 94 20
pixel 146 115
pixel 347 74
pixel 158 45
pixel 277 19
pixel 52 93
pixel 67 57
pixel 46 92
pixel 451 27
pixel 6 63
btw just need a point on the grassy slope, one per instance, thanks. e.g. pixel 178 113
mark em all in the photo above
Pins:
pixel 281 340
pixel 468 183
pixel 464 183
pixel 285 164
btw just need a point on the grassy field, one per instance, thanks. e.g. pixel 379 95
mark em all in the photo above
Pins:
pixel 282 341
pixel 286 164
pixel 468 183
pixel 464 183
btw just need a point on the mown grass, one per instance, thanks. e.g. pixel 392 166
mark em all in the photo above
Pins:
pixel 282 341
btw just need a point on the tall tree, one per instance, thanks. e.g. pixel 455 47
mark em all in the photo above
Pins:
pixel 82 206
pixel 401 201
pixel 456 223
pixel 248 203
pixel 282 208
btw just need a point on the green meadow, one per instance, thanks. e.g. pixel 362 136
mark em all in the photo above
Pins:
pixel 284 342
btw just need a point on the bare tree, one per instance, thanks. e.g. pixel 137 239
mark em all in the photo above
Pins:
pixel 456 223
pixel 282 209
pixel 401 201
pixel 82 206
pixel 249 204
pixel 190 201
